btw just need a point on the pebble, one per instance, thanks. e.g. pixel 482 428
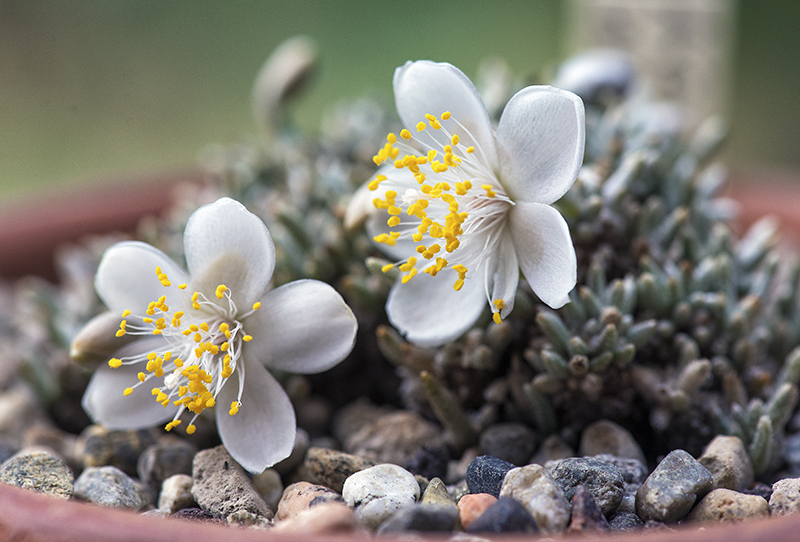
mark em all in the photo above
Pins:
pixel 331 468
pixel 164 459
pixel 785 498
pixel 472 506
pixel 378 492
pixel 541 496
pixel 299 496
pixel 506 515
pixel 435 494
pixel 98 446
pixel 421 518
pixel 727 460
pixel 176 494
pixel 45 435
pixel 672 488
pixel 196 514
pixel 512 442
pixel 221 487
pixel 625 522
pixel 243 518
pixel 270 486
pixel 587 515
pixel 39 471
pixel 552 448
pixel 109 486
pixel 328 518
pixel 607 437
pixel 393 438
pixel 19 409
pixel 603 480
pixel 351 418
pixel 634 473
pixel 295 459
pixel 429 461
pixel 486 473
pixel 727 505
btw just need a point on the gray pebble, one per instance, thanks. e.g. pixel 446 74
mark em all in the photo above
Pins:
pixel 378 492
pixel 38 471
pixel 109 486
pixel 727 460
pixel 164 459
pixel 221 487
pixel 785 498
pixel 633 471
pixel 552 448
pixel 269 485
pixel 176 494
pixel 505 516
pixel 672 488
pixel 295 459
pixel 393 438
pixel 330 468
pixel 540 495
pixel 421 518
pixel 98 446
pixel 728 506
pixel 485 474
pixel 587 515
pixel 625 522
pixel 607 437
pixel 601 478
pixel 512 442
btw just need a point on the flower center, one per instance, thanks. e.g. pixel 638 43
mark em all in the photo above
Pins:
pixel 459 208
pixel 204 349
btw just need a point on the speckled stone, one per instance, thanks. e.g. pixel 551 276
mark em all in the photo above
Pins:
pixel 176 494
pixel 603 480
pixel 486 473
pixel 421 518
pixel 39 471
pixel 299 496
pixel 587 516
pixel 785 498
pixel 109 486
pixel 607 437
pixel 328 518
pixel 378 492
pixel 633 471
pixel 541 496
pixel 164 459
pixel 506 515
pixel 625 522
pixel 435 494
pixel 429 461
pixel 98 446
pixel 728 506
pixel 672 488
pixel 196 514
pixel 330 468
pixel 471 507
pixel 727 460
pixel 270 486
pixel 511 441
pixel 393 438
pixel 243 518
pixel 221 487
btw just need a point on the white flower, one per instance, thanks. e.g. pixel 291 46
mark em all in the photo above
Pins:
pixel 204 337
pixel 471 202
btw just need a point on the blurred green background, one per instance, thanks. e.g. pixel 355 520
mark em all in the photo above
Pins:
pixel 96 89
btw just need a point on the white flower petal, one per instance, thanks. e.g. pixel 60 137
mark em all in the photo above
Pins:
pixel 126 277
pixel 429 312
pixel 540 141
pixel 505 276
pixel 263 431
pixel 227 244
pixel 544 248
pixel 106 404
pixel 303 327
pixel 426 87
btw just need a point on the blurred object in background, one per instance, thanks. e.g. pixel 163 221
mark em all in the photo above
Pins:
pixel 680 48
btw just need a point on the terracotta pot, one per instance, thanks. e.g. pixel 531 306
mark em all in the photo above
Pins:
pixel 28 237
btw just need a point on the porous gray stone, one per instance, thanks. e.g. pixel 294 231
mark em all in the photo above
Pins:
pixel 672 488
pixel 607 437
pixel 378 492
pixel 38 471
pixel 603 480
pixel 728 506
pixel 785 498
pixel 625 522
pixel 727 460
pixel 176 494
pixel 511 441
pixel 109 486
pixel 540 495
pixel 221 487
pixel 393 438
pixel 330 468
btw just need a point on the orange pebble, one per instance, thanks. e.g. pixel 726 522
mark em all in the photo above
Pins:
pixel 470 507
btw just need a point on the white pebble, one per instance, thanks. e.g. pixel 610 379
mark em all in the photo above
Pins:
pixel 378 492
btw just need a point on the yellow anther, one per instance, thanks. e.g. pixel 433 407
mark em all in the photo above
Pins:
pixel 446 115
pixel 455 139
pixel 223 327
pixel 256 305
pixel 408 277
pixel 221 291
pixel 178 362
pixel 115 363
pixel 391 138
pixel 224 346
pixel 155 391
pixel 234 408
pixel 127 391
pixel 190 429
pixel 120 332
pixel 489 192
pixel 405 134
pixel 412 261
pixel 421 126
pixel 186 332
pixel 388 267
pixel 198 337
pixel 204 326
pixel 458 285
pixel 496 318
pixel 470 149
pixel 393 210
pixel 247 338
pixel 194 327
pixel 499 303
pixel 141 377
pixel 393 221
pixel 183 286
pixel 417 237
pixel 126 313
pixel 173 424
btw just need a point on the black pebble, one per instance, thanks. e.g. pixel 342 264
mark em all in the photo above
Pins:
pixel 485 474
pixel 429 461
pixel 505 516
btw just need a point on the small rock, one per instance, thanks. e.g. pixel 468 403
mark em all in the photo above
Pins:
pixel 602 479
pixel 457 468
pixel 430 461
pixel 196 514
pixel 299 496
pixel 109 486
pixel 785 498
pixel 38 471
pixel 486 473
pixel 506 515
pixel 540 495
pixel 243 518
pixel 331 468
pixel 551 449
pixel 393 438
pixel 607 437
pixel 19 409
pixel 472 506
pixel 269 485
pixel 221 487
pixel 512 442
pixel 729 506
pixel 625 522
pixel 727 460
pixel 41 434
pixel 759 488
pixel 421 518
pixel 328 518
pixel 435 494
pixel 98 446
pixel 354 416
pixel 295 459
pixel 633 471
pixel 164 459
pixel 378 492
pixel 176 493
pixel 587 515
pixel 672 488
